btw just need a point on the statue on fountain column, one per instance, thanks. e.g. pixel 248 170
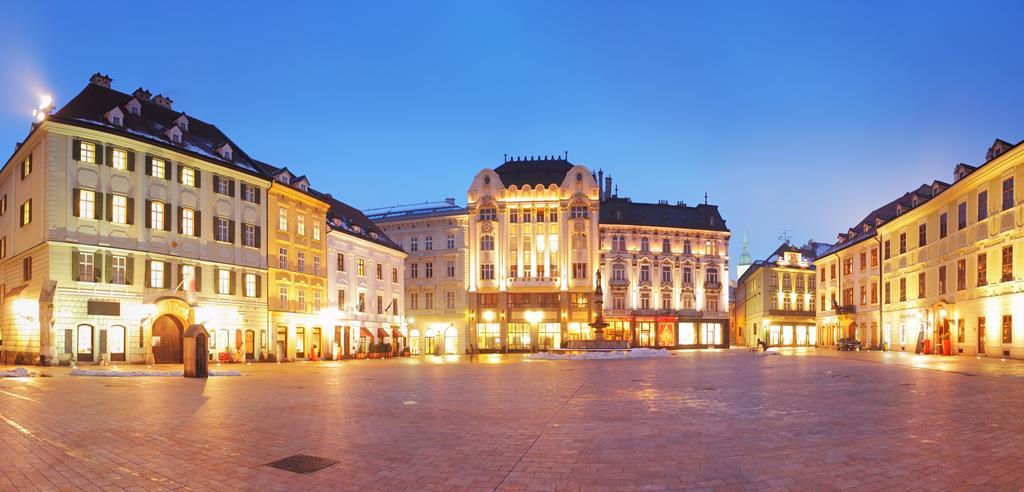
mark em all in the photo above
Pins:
pixel 599 324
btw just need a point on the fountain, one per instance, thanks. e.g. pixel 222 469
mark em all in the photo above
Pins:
pixel 599 324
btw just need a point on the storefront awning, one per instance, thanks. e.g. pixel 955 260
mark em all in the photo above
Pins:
pixel 398 333
pixel 381 332
pixel 366 333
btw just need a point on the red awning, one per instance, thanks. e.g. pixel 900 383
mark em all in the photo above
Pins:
pixel 381 332
pixel 398 333
pixel 366 333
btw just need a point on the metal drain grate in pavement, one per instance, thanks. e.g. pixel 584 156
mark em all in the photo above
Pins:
pixel 302 463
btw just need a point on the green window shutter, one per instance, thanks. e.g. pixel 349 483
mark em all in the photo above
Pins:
pixel 75 206
pixel 149 271
pixel 110 206
pixel 258 236
pixel 130 213
pixel 99 154
pixel 231 231
pixel 76 150
pixel 149 165
pixel 131 161
pixel 109 157
pixel 199 224
pixel 259 285
pixel 148 217
pixel 108 267
pixel 168 218
pixel 180 172
pixel 199 278
pixel 199 179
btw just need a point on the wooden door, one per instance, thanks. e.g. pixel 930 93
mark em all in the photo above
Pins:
pixel 168 348
pixel 250 345
pixel 981 335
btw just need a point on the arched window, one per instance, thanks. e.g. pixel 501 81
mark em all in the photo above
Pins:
pixel 115 343
pixel 84 346
pixel 188 222
pixel 487 243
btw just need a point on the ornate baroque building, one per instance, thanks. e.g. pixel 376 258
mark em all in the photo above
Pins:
pixel 533 251
pixel 665 272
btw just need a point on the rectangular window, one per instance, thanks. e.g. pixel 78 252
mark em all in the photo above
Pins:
pixel 156 274
pixel 361 267
pixel 428 243
pixel 666 274
pixel 282 219
pixel 26 167
pixel 282 296
pixel 922 235
pixel 903 289
pixel 3 252
pixel 922 286
pixel 340 262
pixel 943 230
pixel 847 266
pixel 119 159
pixel 863 260
pixel 250 285
pixel 86 269
pixel 224 186
pixel 874 293
pixel 380 305
pixel 488 213
pixel 414 301
pixel 380 271
pixel 577 212
pixel 188 222
pixel 394 275
pixel 220 232
pixel 414 270
pixel 414 244
pixel 300 299
pixel 1007 328
pixel 26 212
pixel 362 302
pixel 119 270
pixel 249 193
pixel 223 281
pixel 428 300
pixel 188 278
pixel 982 269
pixel 1007 274
pixel 300 261
pixel 316 265
pixel 961 216
pixel 87 152
pixel 282 258
pixel 487 271
pixel 119 209
pixel 317 300
pixel 579 270
pixel 863 295
pixel 300 224
pixel 87 204
pixel 888 293
pixel 942 279
pixel 341 299
pixel 316 231
pixel 449 269
pixel 1007 193
pixel 903 242
pixel 982 205
pixel 887 250
pixel 451 241
pixel 158 168
pixel 249 235
pixel 874 257
pixel 188 176
pixel 156 215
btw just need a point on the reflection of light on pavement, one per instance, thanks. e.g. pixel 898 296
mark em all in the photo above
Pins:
pixel 12 395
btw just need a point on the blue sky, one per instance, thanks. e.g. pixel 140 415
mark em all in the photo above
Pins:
pixel 790 116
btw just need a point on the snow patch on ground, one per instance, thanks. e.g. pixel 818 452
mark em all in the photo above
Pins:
pixel 771 351
pixel 637 353
pixel 17 372
pixel 117 373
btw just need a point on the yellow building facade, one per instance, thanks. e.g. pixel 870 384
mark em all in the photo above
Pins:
pixel 776 297
pixel 297 268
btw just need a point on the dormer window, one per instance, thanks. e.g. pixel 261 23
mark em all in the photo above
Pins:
pixel 225 151
pixel 115 117
pixel 282 179
pixel 174 134
pixel 182 123
pixel 134 107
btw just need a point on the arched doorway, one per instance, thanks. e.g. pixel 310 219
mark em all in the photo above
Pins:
pixel 451 341
pixel 167 333
pixel 852 331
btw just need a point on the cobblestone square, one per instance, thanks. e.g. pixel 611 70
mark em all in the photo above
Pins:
pixel 715 420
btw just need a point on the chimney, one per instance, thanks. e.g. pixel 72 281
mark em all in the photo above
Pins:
pixel 142 94
pixel 608 186
pixel 163 100
pixel 662 202
pixel 100 80
pixel 600 179
pixel 450 201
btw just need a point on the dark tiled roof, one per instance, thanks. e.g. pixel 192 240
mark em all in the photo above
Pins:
pixel 624 211
pixel 354 222
pixel 534 172
pixel 867 226
pixel 810 251
pixel 423 210
pixel 201 139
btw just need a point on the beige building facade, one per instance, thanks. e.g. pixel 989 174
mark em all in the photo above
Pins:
pixel 776 298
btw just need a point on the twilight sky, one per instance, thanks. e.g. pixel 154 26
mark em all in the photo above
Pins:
pixel 798 117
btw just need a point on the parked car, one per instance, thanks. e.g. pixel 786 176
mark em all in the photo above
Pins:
pixel 848 344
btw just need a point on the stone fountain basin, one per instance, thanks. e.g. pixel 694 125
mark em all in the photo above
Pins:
pixel 598 345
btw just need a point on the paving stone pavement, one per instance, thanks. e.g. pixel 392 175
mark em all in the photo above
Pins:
pixel 709 420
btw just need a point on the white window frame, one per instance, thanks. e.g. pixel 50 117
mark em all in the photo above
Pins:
pixel 188 176
pixel 86 204
pixel 250 285
pixel 156 215
pixel 87 152
pixel 119 209
pixel 158 168
pixel 188 222
pixel 156 275
pixel 223 281
pixel 119 270
pixel 119 159
pixel 87 267
pixel 300 224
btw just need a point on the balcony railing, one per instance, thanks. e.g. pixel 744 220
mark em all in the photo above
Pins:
pixel 533 281
pixel 618 282
pixel 712 286
pixel 791 312
pixel 846 309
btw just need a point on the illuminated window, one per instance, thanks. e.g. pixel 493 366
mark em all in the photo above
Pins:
pixel 156 274
pixel 250 285
pixel 487 243
pixel 282 295
pixel 316 265
pixel 223 282
pixel 119 270
pixel 300 260
pixel 282 258
pixel 316 231
pixel 282 219
pixel 361 267
pixel 221 231
pixel 86 269
pixel 158 168
pixel 26 212
pixel 249 235
pixel 188 222
pixel 119 159
pixel 86 204
pixel 119 209
pixel 300 224
pixel 487 271
pixel 87 152
pixel 188 176
pixel 156 215
pixel 188 278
